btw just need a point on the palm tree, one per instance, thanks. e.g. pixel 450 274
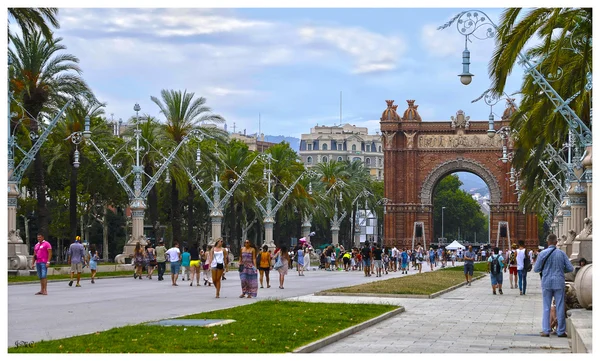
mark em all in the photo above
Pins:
pixel 183 114
pixel 32 19
pixel 43 78
pixel 566 48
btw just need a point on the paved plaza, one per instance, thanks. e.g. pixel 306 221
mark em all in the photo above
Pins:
pixel 468 319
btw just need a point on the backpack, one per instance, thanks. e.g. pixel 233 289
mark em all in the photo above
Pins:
pixel 512 258
pixel 527 263
pixel 495 265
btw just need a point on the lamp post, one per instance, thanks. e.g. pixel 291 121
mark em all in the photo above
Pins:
pixel 269 211
pixel 18 253
pixel 217 204
pixel 138 194
pixel 443 239
pixel 356 230
pixel 469 23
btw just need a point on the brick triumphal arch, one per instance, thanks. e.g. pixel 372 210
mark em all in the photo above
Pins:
pixel 417 155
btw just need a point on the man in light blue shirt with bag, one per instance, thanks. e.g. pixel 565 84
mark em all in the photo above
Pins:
pixel 552 264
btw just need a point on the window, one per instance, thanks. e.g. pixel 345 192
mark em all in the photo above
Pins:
pixel 356 159
pixel 324 159
pixel 379 149
pixel 368 161
pixel 309 160
pixel 354 147
pixel 339 147
pixel 380 161
pixel 309 147
pixel 339 159
pixel 368 147
pixel 380 175
pixel 324 147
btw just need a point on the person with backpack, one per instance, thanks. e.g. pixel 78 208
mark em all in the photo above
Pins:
pixel 495 267
pixel 523 266
pixel 512 266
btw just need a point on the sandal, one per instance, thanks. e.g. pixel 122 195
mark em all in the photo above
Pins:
pixel 242 295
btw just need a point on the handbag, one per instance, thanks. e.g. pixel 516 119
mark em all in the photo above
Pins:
pixel 278 263
pixel 241 269
pixel 544 263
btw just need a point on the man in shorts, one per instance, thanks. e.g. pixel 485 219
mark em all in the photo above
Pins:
pixel 469 257
pixel 42 254
pixel 175 262
pixel 512 266
pixel 76 257
pixel 495 270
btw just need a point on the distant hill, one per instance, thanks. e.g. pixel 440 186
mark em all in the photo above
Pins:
pixel 294 142
pixel 472 183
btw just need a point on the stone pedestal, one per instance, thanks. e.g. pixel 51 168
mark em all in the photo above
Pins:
pixel 583 286
pixel 268 222
pixel 582 245
pixel 18 254
pixel 335 232
pixel 567 246
pixel 216 226
pixel 138 208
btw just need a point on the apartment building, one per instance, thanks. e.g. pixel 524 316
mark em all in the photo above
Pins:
pixel 343 142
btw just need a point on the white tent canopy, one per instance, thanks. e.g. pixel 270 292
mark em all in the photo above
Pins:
pixel 455 245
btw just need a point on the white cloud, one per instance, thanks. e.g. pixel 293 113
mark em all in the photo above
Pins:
pixel 371 51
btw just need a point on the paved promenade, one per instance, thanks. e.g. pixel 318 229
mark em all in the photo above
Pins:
pixel 466 320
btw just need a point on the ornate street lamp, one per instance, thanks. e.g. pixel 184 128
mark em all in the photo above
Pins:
pixel 18 254
pixel 138 194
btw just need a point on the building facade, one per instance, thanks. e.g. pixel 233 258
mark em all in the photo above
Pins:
pixel 345 142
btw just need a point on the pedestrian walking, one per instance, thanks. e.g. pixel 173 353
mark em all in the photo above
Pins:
pixel 161 259
pixel 93 258
pixel 300 261
pixel 469 257
pixel 420 256
pixel 432 261
pixel 523 266
pixel 174 255
pixel 367 256
pixel 195 264
pixel 185 264
pixel 264 265
pixel 248 271
pixel 76 258
pixel 217 259
pixel 206 271
pixel 512 266
pixel 150 259
pixel 138 260
pixel 495 268
pixel 552 264
pixel 404 258
pixel 282 264
pixel 42 254
pixel 377 259
pixel 308 254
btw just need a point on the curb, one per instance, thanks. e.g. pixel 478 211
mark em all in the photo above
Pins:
pixel 384 295
pixel 313 346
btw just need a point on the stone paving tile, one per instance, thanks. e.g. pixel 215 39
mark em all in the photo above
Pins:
pixel 465 320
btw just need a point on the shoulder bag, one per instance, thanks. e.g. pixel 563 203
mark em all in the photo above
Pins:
pixel 544 263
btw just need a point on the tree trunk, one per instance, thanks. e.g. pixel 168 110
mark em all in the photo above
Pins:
pixel 190 215
pixel 105 233
pixel 73 197
pixel 175 213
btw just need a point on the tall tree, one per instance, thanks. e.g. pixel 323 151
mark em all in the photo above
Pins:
pixel 565 52
pixel 32 19
pixel 43 77
pixel 183 113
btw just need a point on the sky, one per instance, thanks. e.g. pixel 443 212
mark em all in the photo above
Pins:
pixel 288 65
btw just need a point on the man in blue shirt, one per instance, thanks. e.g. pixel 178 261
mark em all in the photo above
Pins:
pixel 495 270
pixel 552 264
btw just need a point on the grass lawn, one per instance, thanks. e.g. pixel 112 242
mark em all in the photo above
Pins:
pixel 261 327
pixel 418 284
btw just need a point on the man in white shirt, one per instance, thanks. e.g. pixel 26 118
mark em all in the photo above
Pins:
pixel 174 255
pixel 395 258
pixel 521 271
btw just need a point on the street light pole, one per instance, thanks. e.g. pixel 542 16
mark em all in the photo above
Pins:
pixel 138 194
pixel 443 239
